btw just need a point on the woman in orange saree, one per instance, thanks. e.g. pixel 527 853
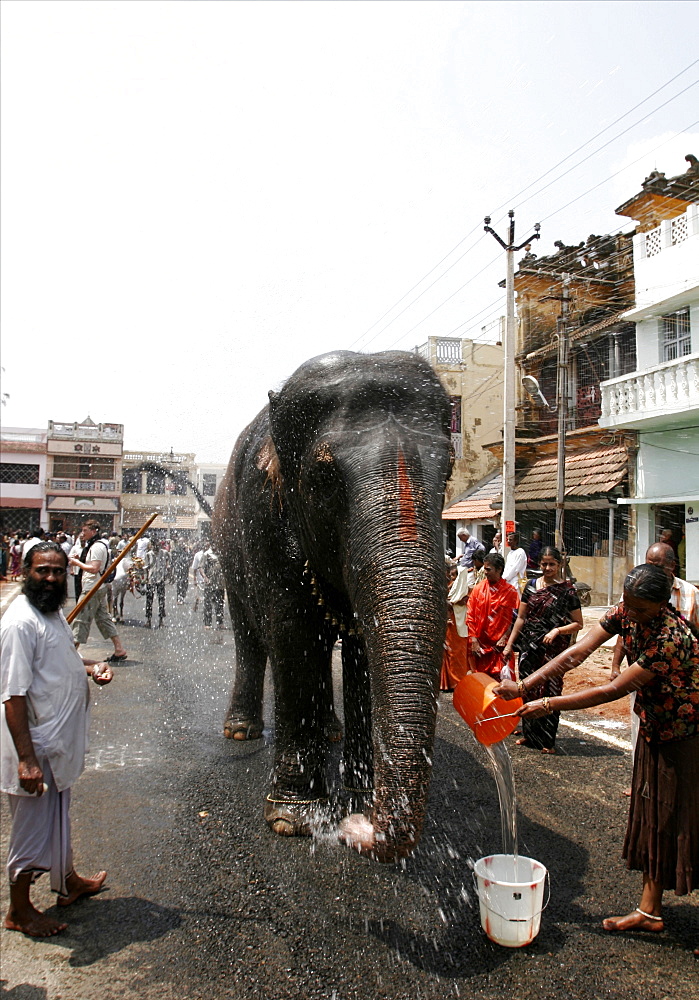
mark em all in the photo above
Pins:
pixel 489 617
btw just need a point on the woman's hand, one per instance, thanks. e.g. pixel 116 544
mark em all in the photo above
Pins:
pixel 507 690
pixel 476 648
pixel 550 636
pixel 507 652
pixel 532 709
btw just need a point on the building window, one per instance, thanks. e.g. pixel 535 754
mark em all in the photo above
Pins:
pixel 155 483
pixel 208 484
pixel 131 481
pixel 83 467
pixel 676 335
pixel 17 472
pixel 455 414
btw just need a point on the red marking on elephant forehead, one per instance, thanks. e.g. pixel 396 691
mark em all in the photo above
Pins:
pixel 407 520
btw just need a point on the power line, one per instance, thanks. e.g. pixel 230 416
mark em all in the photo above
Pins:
pixel 526 188
pixel 601 132
pixel 620 171
pixel 604 145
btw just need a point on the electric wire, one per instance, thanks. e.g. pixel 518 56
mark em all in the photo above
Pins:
pixel 531 184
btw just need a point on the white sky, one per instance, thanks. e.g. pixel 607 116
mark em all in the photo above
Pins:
pixel 199 196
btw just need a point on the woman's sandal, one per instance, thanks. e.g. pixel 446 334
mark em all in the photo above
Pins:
pixel 524 742
pixel 115 659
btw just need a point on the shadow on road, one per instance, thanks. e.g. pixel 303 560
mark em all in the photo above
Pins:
pixel 101 927
pixel 23 991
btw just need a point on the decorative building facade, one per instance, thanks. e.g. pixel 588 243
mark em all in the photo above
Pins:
pixel 659 399
pixel 84 474
pixel 158 481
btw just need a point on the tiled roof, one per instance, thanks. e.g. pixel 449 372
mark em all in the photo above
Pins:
pixel 587 473
pixel 476 506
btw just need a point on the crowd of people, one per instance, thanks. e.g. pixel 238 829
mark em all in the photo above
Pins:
pixel 520 624
pixel 147 569
pixel 517 624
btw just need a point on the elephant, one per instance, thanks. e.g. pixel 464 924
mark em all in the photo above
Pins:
pixel 328 524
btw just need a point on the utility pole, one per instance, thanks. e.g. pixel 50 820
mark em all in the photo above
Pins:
pixel 563 382
pixel 507 517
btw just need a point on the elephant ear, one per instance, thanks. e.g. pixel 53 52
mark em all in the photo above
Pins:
pixel 267 461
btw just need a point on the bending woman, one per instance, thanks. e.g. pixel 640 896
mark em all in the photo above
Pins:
pixel 662 835
pixel 549 616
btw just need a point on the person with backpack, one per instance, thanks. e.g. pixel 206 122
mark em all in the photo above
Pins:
pixel 93 560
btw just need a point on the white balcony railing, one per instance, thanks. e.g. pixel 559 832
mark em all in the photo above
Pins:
pixel 669 233
pixel 655 392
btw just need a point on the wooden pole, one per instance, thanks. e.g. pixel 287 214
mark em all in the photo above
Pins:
pixel 93 590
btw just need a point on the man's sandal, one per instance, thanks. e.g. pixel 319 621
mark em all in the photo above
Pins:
pixel 114 658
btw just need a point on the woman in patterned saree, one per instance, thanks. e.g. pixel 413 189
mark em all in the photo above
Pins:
pixel 662 834
pixel 549 616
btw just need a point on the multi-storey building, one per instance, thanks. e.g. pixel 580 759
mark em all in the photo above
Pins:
pixel 471 373
pixel 22 479
pixel 208 478
pixel 83 474
pixel 158 481
pixel 659 399
pixel 572 334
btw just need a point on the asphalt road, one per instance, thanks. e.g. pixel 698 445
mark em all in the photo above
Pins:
pixel 204 902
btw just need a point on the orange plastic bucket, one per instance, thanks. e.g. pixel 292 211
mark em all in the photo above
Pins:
pixel 483 711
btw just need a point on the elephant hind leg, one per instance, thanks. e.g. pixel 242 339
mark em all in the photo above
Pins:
pixel 244 714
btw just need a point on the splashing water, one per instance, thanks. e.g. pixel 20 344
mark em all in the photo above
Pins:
pixel 505 781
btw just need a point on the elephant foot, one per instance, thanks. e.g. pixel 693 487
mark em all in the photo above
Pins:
pixel 243 729
pixel 357 832
pixel 300 818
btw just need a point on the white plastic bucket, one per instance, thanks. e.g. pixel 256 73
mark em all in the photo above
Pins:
pixel 511 898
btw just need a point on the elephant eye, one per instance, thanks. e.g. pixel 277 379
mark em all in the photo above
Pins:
pixel 323 474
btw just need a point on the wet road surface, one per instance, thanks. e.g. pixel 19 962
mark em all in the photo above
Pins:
pixel 204 902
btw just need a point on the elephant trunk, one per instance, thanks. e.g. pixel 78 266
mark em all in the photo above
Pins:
pixel 398 592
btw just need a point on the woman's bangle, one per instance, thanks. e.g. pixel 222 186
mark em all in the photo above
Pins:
pixel 520 689
pixel 545 701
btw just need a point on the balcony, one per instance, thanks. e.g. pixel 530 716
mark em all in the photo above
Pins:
pixel 656 397
pixel 85 432
pixel 83 486
pixel 442 351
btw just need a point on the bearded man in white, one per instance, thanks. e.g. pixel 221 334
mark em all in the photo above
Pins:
pixel 45 714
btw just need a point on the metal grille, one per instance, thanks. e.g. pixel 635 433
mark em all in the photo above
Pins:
pixel 677 339
pixel 18 472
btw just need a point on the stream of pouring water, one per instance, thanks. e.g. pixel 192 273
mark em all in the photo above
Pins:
pixel 505 781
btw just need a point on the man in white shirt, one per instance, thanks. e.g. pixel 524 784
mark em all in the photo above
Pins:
pixel 45 701
pixel 92 563
pixel 470 544
pixel 516 563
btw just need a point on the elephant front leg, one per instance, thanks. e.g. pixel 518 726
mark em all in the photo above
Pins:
pixel 357 760
pixel 297 803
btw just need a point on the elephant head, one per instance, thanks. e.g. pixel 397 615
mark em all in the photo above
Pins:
pixel 363 449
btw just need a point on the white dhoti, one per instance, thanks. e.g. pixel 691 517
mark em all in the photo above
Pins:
pixel 40 837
